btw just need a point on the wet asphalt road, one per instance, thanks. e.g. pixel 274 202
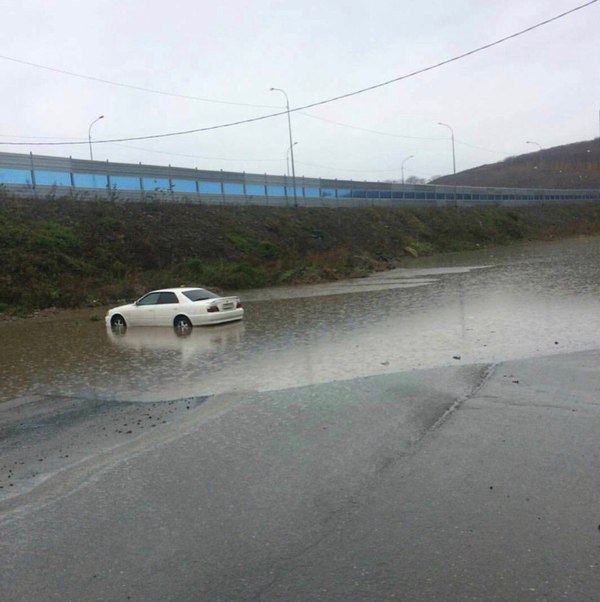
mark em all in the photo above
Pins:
pixel 469 483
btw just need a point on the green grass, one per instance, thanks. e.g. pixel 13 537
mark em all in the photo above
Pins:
pixel 66 253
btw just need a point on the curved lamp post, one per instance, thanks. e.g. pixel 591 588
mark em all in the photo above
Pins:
pixel 536 143
pixel 403 162
pixel 291 149
pixel 453 154
pixel 287 158
pixel 90 135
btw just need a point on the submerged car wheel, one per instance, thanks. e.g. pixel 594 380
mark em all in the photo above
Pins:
pixel 118 322
pixel 182 323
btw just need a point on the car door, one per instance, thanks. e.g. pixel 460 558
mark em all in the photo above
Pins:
pixel 142 313
pixel 166 309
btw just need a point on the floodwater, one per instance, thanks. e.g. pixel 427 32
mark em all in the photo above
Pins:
pixel 486 306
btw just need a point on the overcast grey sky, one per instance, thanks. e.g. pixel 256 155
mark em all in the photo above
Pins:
pixel 543 86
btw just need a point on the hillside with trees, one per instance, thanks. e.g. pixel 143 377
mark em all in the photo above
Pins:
pixel 574 165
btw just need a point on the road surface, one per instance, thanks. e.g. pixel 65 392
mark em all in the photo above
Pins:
pixel 460 483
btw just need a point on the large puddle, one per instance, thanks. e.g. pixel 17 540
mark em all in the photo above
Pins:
pixel 487 306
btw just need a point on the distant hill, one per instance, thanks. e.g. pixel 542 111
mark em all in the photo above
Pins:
pixel 574 165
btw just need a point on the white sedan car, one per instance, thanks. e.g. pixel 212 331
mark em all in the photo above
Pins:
pixel 178 307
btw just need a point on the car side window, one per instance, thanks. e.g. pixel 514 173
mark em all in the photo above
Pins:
pixel 149 299
pixel 168 298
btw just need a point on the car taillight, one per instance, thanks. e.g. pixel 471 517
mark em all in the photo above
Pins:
pixel 238 305
pixel 212 309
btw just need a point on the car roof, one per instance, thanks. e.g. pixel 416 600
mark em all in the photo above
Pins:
pixel 179 289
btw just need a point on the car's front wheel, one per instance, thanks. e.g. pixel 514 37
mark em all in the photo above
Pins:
pixel 118 322
pixel 182 323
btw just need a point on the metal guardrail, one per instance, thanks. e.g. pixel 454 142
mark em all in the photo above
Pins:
pixel 40 175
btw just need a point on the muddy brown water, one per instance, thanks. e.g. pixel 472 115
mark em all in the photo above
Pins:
pixel 486 306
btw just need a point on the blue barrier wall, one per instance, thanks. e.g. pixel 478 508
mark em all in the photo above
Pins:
pixel 44 175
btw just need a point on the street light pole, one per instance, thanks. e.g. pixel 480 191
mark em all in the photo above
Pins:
pixel 453 154
pixel 287 105
pixel 532 142
pixel 90 135
pixel 403 162
pixel 287 159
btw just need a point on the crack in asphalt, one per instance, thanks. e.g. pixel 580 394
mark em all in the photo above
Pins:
pixel 352 505
pixel 486 377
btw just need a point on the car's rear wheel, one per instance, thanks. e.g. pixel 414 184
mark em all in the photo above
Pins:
pixel 182 323
pixel 118 322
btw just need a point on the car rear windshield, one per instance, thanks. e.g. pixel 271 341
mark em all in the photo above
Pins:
pixel 200 294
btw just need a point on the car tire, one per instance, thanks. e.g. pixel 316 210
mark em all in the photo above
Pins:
pixel 182 323
pixel 118 322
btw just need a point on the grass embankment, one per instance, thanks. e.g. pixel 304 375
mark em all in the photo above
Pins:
pixel 65 253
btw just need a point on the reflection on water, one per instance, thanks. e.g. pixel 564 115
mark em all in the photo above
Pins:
pixel 532 299
pixel 187 344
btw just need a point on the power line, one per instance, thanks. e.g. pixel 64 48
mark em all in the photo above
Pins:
pixel 363 170
pixel 39 137
pixel 346 125
pixel 355 127
pixel 131 86
pixel 347 169
pixel 321 102
pixel 451 60
pixel 154 136
pixel 246 160
pixel 148 150
pixel 487 150
pixel 260 160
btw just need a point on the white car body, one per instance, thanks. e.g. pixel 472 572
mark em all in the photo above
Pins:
pixel 176 307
